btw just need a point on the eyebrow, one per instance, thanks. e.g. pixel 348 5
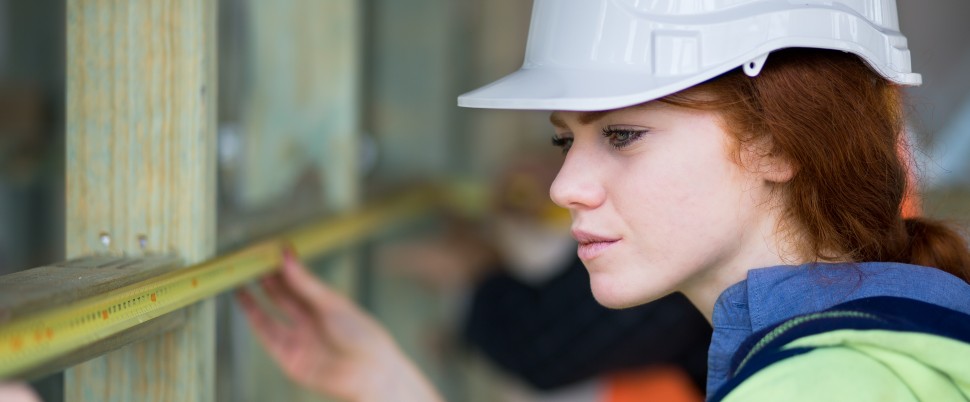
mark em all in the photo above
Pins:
pixel 584 118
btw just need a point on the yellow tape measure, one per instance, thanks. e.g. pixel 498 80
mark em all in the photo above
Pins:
pixel 32 340
pixel 35 339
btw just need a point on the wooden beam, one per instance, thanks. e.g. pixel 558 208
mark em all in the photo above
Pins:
pixel 38 289
pixel 140 177
pixel 33 290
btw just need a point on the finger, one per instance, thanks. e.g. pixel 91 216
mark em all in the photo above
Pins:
pixel 307 286
pixel 295 310
pixel 257 318
pixel 265 327
pixel 340 318
pixel 268 332
pixel 17 392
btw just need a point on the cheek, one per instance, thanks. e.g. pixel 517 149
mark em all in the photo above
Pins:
pixel 684 211
pixel 682 198
pixel 675 228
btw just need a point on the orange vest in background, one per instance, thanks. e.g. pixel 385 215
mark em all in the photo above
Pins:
pixel 911 200
pixel 666 384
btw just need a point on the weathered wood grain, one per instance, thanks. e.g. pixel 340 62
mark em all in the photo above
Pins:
pixel 141 173
pixel 30 291
pixel 37 289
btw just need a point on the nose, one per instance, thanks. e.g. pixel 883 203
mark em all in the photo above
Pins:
pixel 576 187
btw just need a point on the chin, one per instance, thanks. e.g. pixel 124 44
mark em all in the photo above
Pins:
pixel 612 303
pixel 610 295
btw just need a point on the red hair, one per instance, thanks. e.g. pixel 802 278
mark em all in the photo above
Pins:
pixel 839 125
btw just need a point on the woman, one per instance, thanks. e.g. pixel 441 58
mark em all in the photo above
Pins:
pixel 742 153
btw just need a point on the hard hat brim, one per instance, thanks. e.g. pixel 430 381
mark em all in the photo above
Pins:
pixel 545 88
pixel 577 90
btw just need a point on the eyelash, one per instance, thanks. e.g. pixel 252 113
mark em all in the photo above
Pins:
pixel 631 136
pixel 562 142
pixel 610 133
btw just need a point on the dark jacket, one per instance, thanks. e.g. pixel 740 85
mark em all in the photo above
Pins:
pixel 556 334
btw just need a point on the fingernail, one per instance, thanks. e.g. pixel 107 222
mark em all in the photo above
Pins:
pixel 288 252
pixel 242 297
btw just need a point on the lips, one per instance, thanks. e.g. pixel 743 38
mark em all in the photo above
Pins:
pixel 592 245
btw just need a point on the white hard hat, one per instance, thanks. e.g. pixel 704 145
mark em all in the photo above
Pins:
pixel 589 55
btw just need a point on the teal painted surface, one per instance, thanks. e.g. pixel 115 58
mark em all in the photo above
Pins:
pixel 412 84
pixel 301 99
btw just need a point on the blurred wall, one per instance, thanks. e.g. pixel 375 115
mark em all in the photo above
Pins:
pixel 940 108
pixel 31 133
pixel 32 141
pixel 937 32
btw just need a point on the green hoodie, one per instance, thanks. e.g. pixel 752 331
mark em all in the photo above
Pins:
pixel 865 365
pixel 875 349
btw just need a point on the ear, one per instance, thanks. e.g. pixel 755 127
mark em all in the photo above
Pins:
pixel 775 168
pixel 767 163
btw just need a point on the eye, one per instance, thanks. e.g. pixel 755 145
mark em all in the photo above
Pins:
pixel 562 142
pixel 622 137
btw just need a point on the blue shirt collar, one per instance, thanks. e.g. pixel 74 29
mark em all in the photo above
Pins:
pixel 771 295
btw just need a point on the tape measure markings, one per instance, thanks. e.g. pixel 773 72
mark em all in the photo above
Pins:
pixel 31 340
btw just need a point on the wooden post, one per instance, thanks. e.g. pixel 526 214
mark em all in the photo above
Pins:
pixel 140 177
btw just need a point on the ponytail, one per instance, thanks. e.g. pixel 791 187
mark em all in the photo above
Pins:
pixel 934 244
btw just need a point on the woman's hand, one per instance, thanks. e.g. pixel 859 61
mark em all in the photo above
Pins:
pixel 17 392
pixel 327 344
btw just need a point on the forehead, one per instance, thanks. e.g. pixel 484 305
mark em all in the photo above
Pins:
pixel 584 118
pixel 559 118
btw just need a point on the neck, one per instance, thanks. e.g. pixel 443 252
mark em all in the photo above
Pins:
pixel 761 248
pixel 703 292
